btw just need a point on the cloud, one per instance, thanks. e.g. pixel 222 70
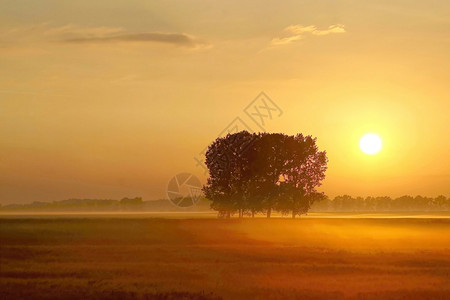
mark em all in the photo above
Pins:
pixel 168 38
pixel 73 31
pixel 77 35
pixel 338 28
pixel 297 32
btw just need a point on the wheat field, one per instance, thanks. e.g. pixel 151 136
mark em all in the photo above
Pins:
pixel 151 257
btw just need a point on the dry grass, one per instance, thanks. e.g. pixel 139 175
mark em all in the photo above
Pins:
pixel 128 258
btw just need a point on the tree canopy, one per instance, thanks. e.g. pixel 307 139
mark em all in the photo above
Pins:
pixel 253 173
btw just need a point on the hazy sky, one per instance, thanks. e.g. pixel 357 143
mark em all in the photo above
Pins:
pixel 107 99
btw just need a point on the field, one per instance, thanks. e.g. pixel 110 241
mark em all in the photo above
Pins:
pixel 150 257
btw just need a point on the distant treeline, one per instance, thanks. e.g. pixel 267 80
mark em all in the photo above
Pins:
pixel 347 203
pixel 125 204
pixel 343 203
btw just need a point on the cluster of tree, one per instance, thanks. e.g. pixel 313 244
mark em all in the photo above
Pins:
pixel 67 204
pixel 252 173
pixel 78 204
pixel 379 204
pixel 105 205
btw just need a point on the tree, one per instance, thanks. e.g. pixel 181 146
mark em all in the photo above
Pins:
pixel 344 203
pixel 303 171
pixel 130 202
pixel 386 203
pixel 267 167
pixel 440 203
pixel 403 203
pixel 227 160
pixel 252 173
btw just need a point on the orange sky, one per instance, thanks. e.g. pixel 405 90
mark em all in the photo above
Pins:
pixel 108 99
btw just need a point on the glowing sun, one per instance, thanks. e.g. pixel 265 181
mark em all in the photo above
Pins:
pixel 370 143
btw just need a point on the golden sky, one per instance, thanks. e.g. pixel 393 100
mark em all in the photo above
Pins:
pixel 107 99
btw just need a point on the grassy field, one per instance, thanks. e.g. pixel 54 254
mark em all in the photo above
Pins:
pixel 137 256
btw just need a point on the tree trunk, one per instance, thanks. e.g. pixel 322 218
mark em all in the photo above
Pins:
pixel 228 214
pixel 240 213
pixel 253 213
pixel 269 212
pixel 293 213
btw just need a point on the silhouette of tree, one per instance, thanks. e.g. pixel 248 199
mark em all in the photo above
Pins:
pixel 227 160
pixel 440 202
pixel 251 173
pixel 303 170
pixel 266 169
pixel 383 204
pixel 403 203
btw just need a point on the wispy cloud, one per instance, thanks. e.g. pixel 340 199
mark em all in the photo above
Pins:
pixel 76 35
pixel 169 38
pixel 72 31
pixel 297 32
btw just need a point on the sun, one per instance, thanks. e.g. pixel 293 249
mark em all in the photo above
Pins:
pixel 370 143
